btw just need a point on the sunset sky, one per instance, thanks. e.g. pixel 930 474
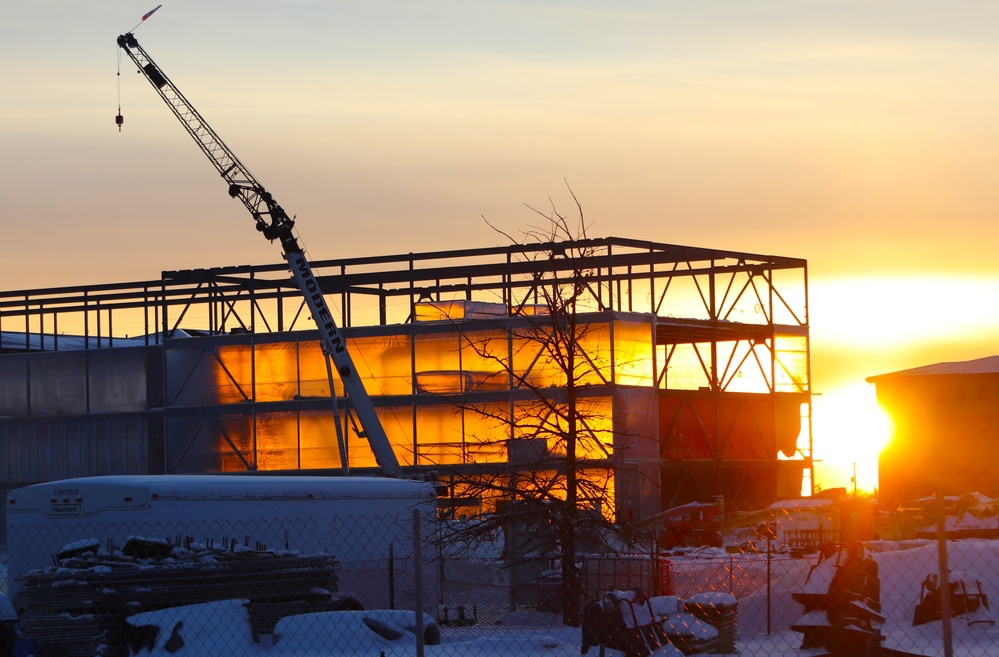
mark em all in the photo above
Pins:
pixel 861 136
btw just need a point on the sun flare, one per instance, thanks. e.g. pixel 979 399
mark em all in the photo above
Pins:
pixel 850 429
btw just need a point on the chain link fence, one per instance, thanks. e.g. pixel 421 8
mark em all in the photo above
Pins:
pixel 193 587
pixel 296 588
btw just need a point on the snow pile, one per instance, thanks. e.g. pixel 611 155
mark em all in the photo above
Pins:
pixel 902 572
pixel 7 612
pixel 221 629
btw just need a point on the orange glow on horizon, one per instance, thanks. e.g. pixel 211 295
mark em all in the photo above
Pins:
pixel 873 312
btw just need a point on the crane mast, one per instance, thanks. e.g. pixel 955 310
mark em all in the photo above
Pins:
pixel 275 224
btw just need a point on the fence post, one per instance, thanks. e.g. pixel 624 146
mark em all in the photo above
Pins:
pixel 664 573
pixel 418 576
pixel 656 583
pixel 391 575
pixel 769 543
pixel 948 641
pixel 511 555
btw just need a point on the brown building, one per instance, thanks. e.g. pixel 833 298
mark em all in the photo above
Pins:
pixel 946 436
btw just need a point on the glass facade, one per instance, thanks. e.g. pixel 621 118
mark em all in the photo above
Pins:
pixel 446 393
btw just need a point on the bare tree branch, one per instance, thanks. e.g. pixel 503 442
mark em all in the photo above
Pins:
pixel 557 483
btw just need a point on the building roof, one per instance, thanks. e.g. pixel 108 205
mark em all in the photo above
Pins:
pixel 987 365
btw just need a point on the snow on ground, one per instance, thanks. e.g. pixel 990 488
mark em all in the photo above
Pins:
pixel 902 568
pixel 220 629
pixel 765 615
pixel 902 573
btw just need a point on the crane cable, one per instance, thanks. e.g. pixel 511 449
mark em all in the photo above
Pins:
pixel 119 119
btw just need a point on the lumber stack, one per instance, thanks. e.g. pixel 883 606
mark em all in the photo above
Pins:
pixel 79 607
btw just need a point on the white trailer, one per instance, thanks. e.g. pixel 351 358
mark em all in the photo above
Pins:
pixel 362 521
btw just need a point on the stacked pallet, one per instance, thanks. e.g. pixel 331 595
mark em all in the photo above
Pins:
pixel 78 609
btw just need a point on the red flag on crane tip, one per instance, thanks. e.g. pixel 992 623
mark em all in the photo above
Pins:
pixel 150 13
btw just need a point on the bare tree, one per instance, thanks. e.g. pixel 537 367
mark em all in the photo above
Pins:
pixel 554 490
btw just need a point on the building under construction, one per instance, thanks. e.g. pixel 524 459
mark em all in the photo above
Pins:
pixel 698 365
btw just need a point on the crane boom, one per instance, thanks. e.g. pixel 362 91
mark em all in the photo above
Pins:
pixel 275 224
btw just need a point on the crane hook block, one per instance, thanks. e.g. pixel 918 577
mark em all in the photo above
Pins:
pixel 119 120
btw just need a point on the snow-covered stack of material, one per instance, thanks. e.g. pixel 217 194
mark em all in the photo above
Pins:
pixel 721 611
pixel 83 601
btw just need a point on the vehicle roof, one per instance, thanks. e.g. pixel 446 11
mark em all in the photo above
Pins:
pixel 223 486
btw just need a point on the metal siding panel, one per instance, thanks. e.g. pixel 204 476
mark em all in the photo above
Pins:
pixel 58 384
pixel 101 449
pixel 53 441
pixel 5 454
pixel 81 447
pixel 192 444
pixel 13 387
pixel 23 457
pixel 117 380
pixel 76 452
pixel 200 372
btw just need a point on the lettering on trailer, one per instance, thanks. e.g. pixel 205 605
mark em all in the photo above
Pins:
pixel 65 491
pixel 66 509
pixel 319 303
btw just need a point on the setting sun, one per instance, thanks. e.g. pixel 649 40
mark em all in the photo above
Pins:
pixel 850 430
pixel 865 326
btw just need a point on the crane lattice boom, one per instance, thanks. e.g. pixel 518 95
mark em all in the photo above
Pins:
pixel 275 224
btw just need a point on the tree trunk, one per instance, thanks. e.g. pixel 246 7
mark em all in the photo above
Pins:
pixel 571 584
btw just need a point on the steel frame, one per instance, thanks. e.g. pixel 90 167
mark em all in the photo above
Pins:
pixel 234 298
pixel 702 298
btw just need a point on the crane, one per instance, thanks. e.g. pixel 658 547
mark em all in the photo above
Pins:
pixel 275 224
